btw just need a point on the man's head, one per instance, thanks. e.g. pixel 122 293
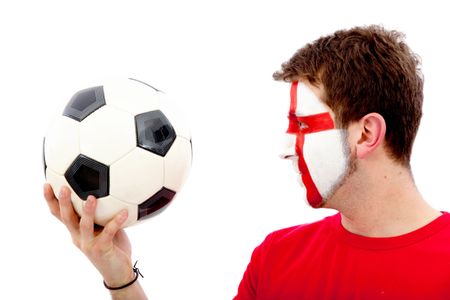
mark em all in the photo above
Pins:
pixel 361 71
pixel 371 87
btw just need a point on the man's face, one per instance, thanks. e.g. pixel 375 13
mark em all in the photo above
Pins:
pixel 319 150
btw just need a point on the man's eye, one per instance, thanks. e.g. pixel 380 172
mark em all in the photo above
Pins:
pixel 302 125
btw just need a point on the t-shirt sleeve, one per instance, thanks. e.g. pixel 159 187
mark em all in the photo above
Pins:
pixel 249 284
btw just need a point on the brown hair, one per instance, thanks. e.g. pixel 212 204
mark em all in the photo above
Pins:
pixel 364 70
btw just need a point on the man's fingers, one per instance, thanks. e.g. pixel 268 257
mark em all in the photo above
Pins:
pixel 110 230
pixel 52 202
pixel 68 216
pixel 87 220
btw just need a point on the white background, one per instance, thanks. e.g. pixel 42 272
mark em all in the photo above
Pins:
pixel 216 59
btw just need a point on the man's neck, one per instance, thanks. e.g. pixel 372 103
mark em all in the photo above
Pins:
pixel 384 204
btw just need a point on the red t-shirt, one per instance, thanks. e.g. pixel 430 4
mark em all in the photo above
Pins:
pixel 322 260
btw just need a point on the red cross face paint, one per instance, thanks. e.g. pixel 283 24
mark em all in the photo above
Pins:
pixel 320 148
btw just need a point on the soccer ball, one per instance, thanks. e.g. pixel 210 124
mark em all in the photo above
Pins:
pixel 123 142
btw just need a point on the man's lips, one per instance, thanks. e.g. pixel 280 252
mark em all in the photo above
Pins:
pixel 295 165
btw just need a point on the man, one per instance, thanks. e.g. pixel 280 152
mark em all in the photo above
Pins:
pixel 356 104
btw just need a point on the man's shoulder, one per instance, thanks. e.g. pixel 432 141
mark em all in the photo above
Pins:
pixel 304 231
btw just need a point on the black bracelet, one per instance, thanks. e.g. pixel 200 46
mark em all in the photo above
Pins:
pixel 135 270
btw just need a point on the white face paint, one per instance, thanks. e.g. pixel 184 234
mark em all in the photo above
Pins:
pixel 324 152
pixel 327 159
pixel 308 103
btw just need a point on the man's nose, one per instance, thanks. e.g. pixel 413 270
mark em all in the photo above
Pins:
pixel 288 147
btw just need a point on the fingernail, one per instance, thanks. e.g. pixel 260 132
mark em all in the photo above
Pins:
pixel 123 215
pixel 62 192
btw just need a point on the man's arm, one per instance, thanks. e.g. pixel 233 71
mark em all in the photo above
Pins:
pixel 108 248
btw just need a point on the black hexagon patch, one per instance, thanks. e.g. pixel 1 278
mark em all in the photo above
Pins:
pixel 154 132
pixel 84 103
pixel 88 177
pixel 155 203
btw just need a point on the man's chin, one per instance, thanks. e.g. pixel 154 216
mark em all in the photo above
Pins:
pixel 314 203
pixel 317 203
pixel 314 200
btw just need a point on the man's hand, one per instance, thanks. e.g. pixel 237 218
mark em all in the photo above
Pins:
pixel 108 248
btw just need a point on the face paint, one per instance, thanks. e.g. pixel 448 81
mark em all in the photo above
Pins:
pixel 320 147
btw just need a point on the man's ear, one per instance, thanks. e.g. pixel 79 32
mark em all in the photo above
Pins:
pixel 372 131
